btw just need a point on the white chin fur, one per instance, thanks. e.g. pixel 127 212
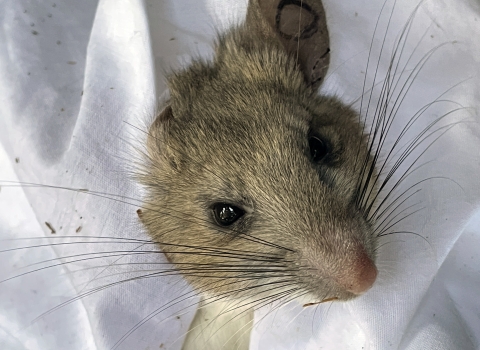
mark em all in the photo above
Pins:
pixel 220 325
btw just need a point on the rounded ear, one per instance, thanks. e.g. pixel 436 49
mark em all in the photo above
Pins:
pixel 165 116
pixel 301 27
pixel 159 125
pixel 157 135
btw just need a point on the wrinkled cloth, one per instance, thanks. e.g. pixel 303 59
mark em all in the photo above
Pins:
pixel 79 85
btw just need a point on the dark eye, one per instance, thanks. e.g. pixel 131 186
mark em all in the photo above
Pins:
pixel 318 148
pixel 226 214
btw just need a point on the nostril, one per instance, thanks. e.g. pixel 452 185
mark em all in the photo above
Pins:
pixel 362 275
pixel 364 280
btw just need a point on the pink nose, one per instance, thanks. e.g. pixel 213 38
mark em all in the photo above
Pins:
pixel 361 276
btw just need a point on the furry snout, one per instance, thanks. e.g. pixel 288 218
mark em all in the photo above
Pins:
pixel 338 275
pixel 360 275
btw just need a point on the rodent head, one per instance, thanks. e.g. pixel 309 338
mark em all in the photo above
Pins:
pixel 253 180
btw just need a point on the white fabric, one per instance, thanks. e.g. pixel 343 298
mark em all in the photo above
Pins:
pixel 78 77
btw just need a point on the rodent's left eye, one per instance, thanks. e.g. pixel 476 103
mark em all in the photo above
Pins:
pixel 318 148
pixel 226 214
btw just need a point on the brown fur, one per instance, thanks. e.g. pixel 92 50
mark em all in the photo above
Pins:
pixel 236 130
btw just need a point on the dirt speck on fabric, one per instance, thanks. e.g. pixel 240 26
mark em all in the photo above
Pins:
pixel 49 225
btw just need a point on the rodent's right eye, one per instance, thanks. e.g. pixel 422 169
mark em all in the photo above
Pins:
pixel 318 148
pixel 226 214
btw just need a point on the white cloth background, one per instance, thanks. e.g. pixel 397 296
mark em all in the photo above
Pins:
pixel 72 73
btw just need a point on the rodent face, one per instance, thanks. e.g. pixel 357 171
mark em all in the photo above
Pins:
pixel 231 140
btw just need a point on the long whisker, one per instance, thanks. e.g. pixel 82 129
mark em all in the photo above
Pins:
pixel 139 203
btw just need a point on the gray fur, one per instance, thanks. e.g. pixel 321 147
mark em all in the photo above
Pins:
pixel 236 130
